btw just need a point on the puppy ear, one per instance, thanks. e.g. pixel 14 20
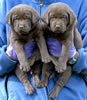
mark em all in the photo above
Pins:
pixel 9 19
pixel 35 17
pixel 45 17
pixel 72 18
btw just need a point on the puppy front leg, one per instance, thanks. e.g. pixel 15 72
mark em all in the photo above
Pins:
pixel 43 49
pixel 63 58
pixel 35 57
pixel 19 49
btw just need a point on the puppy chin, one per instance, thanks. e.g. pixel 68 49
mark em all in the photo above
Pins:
pixel 58 31
pixel 22 34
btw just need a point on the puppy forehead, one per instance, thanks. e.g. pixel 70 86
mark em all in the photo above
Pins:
pixel 22 13
pixel 22 10
pixel 59 8
pixel 58 13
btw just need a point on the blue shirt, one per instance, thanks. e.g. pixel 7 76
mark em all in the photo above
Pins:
pixel 75 88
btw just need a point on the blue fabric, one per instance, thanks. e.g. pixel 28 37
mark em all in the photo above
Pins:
pixel 71 90
pixel 18 93
pixel 54 48
pixel 75 88
pixel 6 64
pixel 28 48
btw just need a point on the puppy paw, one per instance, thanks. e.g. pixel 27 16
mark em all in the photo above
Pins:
pixel 42 83
pixel 29 89
pixel 25 66
pixel 61 67
pixel 54 92
pixel 36 81
pixel 46 58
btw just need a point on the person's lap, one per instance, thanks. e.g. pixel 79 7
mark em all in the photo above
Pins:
pixel 16 90
pixel 75 89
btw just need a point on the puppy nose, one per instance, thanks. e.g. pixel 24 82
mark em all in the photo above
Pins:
pixel 57 26
pixel 21 25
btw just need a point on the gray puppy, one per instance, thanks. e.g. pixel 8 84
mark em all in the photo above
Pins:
pixel 60 24
pixel 24 24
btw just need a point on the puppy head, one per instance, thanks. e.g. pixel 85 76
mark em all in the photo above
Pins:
pixel 59 17
pixel 22 18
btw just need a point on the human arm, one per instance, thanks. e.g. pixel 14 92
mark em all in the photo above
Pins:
pixel 6 64
pixel 81 64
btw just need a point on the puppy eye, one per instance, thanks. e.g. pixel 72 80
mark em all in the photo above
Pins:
pixel 53 17
pixel 15 17
pixel 64 17
pixel 27 17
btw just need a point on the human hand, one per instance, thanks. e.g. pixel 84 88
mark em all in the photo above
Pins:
pixel 11 53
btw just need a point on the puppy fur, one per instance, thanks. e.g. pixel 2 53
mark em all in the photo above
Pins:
pixel 24 26
pixel 60 24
